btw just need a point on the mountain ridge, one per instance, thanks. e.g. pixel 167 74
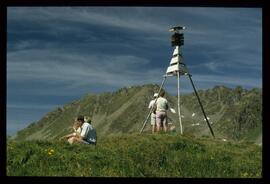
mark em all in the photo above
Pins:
pixel 234 113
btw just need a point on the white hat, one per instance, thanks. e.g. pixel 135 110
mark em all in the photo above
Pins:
pixel 156 95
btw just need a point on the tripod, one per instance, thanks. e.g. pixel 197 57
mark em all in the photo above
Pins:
pixel 178 68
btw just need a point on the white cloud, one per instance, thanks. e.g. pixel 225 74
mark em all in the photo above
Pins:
pixel 230 80
pixel 51 66
pixel 239 28
pixel 53 16
pixel 212 66
pixel 78 70
pixel 199 21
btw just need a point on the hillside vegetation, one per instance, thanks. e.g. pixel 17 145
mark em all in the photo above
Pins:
pixel 235 114
pixel 137 155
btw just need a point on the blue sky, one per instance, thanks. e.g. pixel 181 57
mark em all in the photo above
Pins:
pixel 57 54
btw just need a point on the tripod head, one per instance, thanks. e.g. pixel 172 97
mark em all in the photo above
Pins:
pixel 177 38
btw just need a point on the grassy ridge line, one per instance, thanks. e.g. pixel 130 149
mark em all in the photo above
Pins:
pixel 136 156
pixel 235 113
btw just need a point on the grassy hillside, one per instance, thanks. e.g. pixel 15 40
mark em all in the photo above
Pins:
pixel 118 112
pixel 234 113
pixel 135 155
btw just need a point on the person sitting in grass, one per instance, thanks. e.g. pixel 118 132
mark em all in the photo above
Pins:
pixel 88 133
pixel 76 127
pixel 77 130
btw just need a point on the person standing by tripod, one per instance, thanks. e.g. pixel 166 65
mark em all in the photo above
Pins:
pixel 161 112
pixel 153 114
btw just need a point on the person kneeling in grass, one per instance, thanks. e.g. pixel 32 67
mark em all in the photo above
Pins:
pixel 87 134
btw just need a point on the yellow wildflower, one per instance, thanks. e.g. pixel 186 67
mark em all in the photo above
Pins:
pixel 50 151
pixel 245 174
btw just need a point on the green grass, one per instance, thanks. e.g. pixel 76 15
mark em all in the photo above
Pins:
pixel 135 155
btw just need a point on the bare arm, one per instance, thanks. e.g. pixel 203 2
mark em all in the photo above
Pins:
pixel 69 136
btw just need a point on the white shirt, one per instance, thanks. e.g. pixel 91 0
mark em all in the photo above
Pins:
pixel 78 130
pixel 151 104
pixel 162 104
pixel 88 132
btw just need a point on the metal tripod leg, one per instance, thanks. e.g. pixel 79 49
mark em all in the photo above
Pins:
pixel 179 112
pixel 151 110
pixel 201 105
